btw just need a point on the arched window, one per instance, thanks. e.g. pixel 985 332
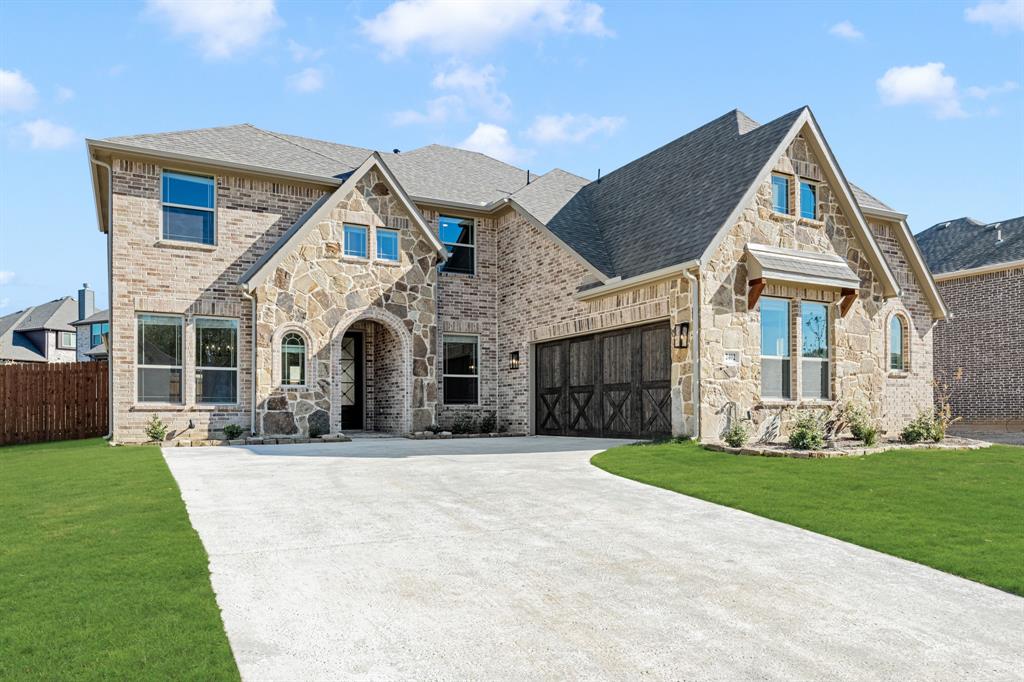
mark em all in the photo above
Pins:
pixel 897 344
pixel 293 360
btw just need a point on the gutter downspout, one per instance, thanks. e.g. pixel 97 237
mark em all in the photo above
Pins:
pixel 695 346
pixel 110 293
pixel 252 363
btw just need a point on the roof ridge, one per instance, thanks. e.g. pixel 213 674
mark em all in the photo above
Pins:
pixel 180 132
pixel 293 142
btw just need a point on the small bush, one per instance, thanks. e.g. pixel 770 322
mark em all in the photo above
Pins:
pixel 464 423
pixel 807 434
pixel 434 428
pixel 489 423
pixel 315 431
pixel 232 431
pixel 920 428
pixel 736 435
pixel 868 435
pixel 861 426
pixel 156 429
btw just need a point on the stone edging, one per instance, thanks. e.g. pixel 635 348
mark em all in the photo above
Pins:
pixel 430 435
pixel 779 451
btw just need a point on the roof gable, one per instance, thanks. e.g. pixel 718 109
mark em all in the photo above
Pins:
pixel 966 243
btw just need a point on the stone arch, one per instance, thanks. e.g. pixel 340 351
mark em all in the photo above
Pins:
pixel 395 326
pixel 275 351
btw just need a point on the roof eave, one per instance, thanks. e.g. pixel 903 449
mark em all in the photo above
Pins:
pixel 979 270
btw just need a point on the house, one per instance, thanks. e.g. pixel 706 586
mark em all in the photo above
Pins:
pixel 41 333
pixel 293 285
pixel 979 269
pixel 90 327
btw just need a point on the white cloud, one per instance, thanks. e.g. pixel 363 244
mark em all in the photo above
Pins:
pixel 927 84
pixel 1002 16
pixel 16 92
pixel 572 127
pixel 64 94
pixel 493 140
pixel 986 92
pixel 45 134
pixel 6 277
pixel 221 28
pixel 478 86
pixel 307 80
pixel 462 26
pixel 302 53
pixel 438 110
pixel 845 29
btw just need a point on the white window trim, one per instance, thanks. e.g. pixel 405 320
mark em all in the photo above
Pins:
pixel 905 354
pixel 790 199
pixel 444 395
pixel 376 244
pixel 177 242
pixel 62 346
pixel 816 186
pixel 476 235
pixel 184 350
pixel 344 252
pixel 789 344
pixel 276 373
pixel 197 367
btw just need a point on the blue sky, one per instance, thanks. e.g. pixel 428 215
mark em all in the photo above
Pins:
pixel 922 103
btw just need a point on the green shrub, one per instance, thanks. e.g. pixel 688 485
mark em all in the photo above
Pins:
pixel 921 427
pixel 156 429
pixel 868 434
pixel 736 435
pixel 489 423
pixel 315 431
pixel 861 426
pixel 807 434
pixel 232 431
pixel 464 423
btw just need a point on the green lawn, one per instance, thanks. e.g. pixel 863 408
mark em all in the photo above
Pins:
pixel 101 574
pixel 957 511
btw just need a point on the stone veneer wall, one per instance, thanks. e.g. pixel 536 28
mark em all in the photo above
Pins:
pixel 321 292
pixel 857 341
pixel 152 276
pixel 983 338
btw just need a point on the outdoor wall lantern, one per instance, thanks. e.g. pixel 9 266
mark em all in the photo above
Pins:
pixel 681 338
pixel 513 360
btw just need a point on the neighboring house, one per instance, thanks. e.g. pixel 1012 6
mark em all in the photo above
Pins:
pixel 289 284
pixel 979 269
pixel 91 326
pixel 41 333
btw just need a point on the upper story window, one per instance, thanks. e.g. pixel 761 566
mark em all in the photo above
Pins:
pixel 814 366
pixel 387 244
pixel 188 207
pixel 808 200
pixel 458 236
pixel 780 194
pixel 159 359
pixel 293 360
pixel 897 345
pixel 461 372
pixel 216 360
pixel 66 339
pixel 96 332
pixel 355 240
pixel 775 374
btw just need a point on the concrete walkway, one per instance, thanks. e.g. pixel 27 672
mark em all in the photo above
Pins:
pixel 515 559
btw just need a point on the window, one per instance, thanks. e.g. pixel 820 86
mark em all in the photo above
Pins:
pixel 814 370
pixel 159 359
pixel 387 244
pixel 188 207
pixel 780 194
pixel 897 352
pixel 96 332
pixel 808 200
pixel 66 339
pixel 355 241
pixel 458 236
pixel 774 348
pixel 216 360
pixel 293 360
pixel 461 371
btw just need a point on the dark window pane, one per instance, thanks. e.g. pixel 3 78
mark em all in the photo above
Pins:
pixel 774 327
pixel 216 385
pixel 159 385
pixel 188 225
pixel 460 260
pixel 190 190
pixel 808 200
pixel 774 378
pixel 216 343
pixel 159 339
pixel 387 245
pixel 460 390
pixel 814 330
pixel 780 194
pixel 460 355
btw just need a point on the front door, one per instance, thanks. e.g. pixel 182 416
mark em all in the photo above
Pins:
pixel 350 375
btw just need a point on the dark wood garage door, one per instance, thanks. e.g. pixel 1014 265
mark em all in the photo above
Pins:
pixel 614 384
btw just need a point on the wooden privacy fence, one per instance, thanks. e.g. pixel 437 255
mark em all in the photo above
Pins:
pixel 61 401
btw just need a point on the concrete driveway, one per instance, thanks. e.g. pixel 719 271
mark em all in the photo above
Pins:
pixel 514 559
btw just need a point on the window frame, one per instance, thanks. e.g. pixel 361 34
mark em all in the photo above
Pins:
pixel 163 204
pixel 827 360
pixel 93 341
pixel 196 368
pixel 63 346
pixel 813 185
pixel 445 375
pixel 398 244
pixel 789 191
pixel 789 350
pixel 282 383
pixel 904 367
pixel 139 366
pixel 472 247
pixel 366 241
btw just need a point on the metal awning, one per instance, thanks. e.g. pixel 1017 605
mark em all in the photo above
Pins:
pixel 774 264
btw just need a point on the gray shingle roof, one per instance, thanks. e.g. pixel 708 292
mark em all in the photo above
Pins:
pixel 98 316
pixel 867 201
pixel 967 243
pixel 14 342
pixel 57 315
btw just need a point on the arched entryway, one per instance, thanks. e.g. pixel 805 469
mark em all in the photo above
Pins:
pixel 371 373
